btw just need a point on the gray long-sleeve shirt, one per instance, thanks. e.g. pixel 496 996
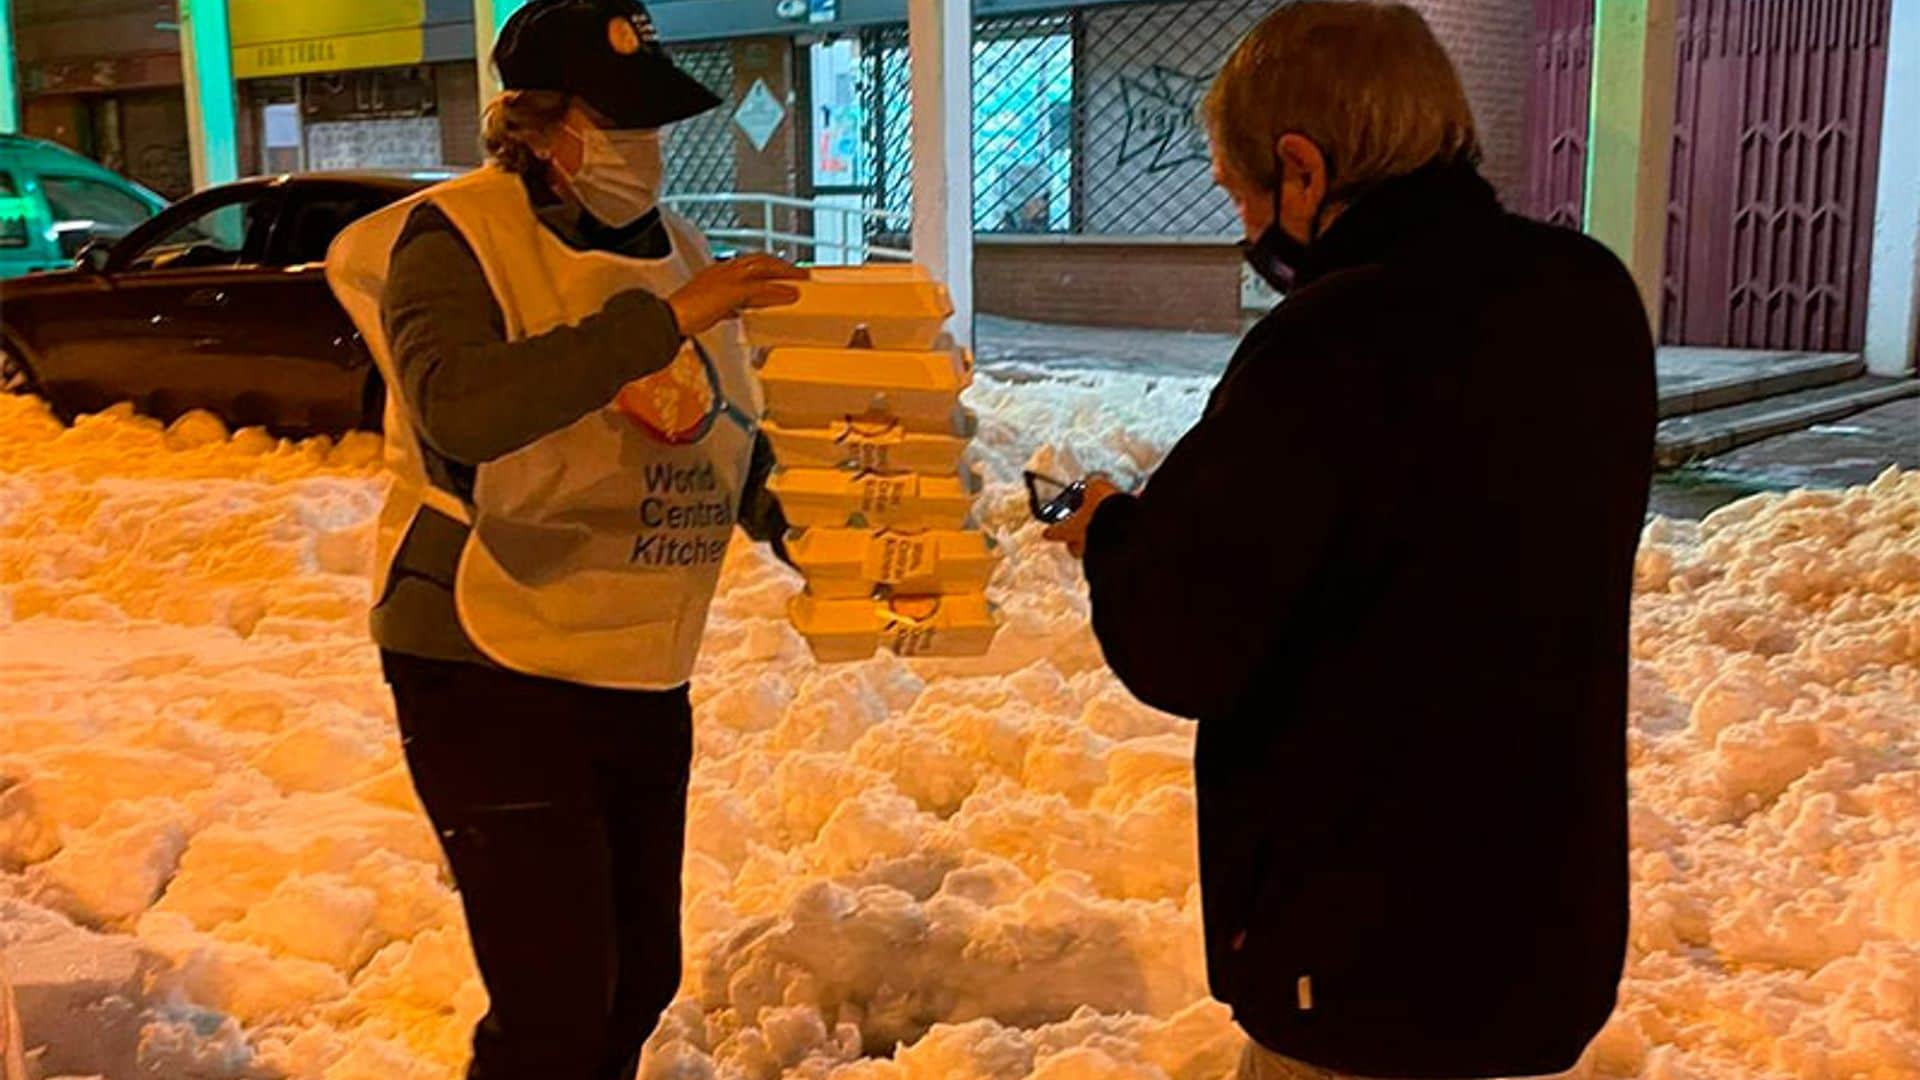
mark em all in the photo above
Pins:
pixel 474 396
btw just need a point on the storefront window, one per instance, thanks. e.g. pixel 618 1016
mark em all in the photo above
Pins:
pixel 1023 132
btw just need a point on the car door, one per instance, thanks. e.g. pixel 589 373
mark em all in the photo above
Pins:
pixel 303 343
pixel 157 326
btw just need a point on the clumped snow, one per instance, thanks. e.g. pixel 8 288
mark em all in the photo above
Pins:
pixel 951 869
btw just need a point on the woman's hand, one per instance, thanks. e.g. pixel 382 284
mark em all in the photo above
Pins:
pixel 1073 531
pixel 722 291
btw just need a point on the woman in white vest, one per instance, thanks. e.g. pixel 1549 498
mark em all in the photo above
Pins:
pixel 573 439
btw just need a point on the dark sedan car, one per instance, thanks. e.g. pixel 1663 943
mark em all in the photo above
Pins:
pixel 218 303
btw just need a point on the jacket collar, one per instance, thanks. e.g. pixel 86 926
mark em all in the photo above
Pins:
pixel 1398 213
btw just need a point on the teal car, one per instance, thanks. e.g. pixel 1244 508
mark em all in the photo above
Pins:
pixel 53 203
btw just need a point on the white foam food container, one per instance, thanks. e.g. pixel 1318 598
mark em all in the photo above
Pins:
pixel 840 498
pixel 807 387
pixel 875 445
pixel 850 564
pixel 898 307
pixel 962 624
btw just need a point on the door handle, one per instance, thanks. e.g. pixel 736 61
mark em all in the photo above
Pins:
pixel 204 298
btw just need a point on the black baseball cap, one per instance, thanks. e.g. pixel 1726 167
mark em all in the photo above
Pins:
pixel 607 53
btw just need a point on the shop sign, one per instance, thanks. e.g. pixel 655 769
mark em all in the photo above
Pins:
pixel 274 37
pixel 759 115
pixel 390 49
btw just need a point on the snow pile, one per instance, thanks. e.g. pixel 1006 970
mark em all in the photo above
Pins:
pixel 978 868
pixel 119 521
pixel 1776 767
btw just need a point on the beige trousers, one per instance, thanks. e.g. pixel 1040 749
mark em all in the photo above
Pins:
pixel 1259 1063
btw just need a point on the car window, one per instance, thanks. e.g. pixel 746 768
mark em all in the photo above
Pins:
pixel 111 210
pixel 228 235
pixel 315 219
pixel 13 214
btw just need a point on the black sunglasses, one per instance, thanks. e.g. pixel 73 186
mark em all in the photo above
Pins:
pixel 1053 501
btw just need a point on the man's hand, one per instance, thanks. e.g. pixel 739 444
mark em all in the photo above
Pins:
pixel 722 291
pixel 1073 531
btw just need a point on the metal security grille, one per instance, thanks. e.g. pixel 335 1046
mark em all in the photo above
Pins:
pixel 890 112
pixel 1776 144
pixel 699 152
pixel 1557 111
pixel 1145 168
pixel 1776 139
pixel 1023 125
pixel 1085 120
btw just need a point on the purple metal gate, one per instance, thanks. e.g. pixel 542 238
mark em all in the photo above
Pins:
pixel 1776 143
pixel 1776 148
pixel 1557 110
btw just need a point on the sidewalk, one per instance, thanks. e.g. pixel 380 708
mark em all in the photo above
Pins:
pixel 1010 342
pixel 1841 454
pixel 1838 454
pixel 1691 379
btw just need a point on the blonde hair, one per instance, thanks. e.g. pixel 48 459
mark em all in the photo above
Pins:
pixel 1364 79
pixel 516 124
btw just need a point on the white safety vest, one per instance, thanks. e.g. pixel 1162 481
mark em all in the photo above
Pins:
pixel 594 551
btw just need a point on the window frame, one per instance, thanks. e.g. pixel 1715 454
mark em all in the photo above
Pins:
pixel 295 197
pixel 49 180
pixel 188 211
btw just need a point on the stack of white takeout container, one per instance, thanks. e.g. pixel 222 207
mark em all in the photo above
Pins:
pixel 863 391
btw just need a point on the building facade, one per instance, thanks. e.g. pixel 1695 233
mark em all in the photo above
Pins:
pixel 103 77
pixel 1092 196
pixel 338 84
pixel 1774 163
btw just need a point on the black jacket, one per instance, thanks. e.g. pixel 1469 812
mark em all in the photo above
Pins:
pixel 1390 572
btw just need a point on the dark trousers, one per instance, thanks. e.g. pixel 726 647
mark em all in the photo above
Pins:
pixel 562 810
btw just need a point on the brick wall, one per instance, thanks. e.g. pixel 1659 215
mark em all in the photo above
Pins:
pixel 1491 44
pixel 1166 286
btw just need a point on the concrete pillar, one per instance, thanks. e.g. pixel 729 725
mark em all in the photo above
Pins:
pixel 940 35
pixel 9 80
pixel 1630 137
pixel 1893 284
pixel 206 65
pixel 488 17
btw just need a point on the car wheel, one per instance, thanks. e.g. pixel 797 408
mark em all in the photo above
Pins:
pixel 15 376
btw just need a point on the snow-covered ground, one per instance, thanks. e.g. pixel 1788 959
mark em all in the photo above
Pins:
pixel 929 870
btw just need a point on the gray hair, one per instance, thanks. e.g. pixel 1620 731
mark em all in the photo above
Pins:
pixel 516 125
pixel 1364 79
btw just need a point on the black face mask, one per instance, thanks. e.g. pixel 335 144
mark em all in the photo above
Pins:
pixel 1276 256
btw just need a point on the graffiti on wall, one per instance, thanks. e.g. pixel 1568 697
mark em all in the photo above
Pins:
pixel 1161 106
pixel 1146 69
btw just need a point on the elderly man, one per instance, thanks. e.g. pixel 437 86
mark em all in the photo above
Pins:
pixel 1389 572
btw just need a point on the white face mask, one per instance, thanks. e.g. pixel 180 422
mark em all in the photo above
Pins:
pixel 618 181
